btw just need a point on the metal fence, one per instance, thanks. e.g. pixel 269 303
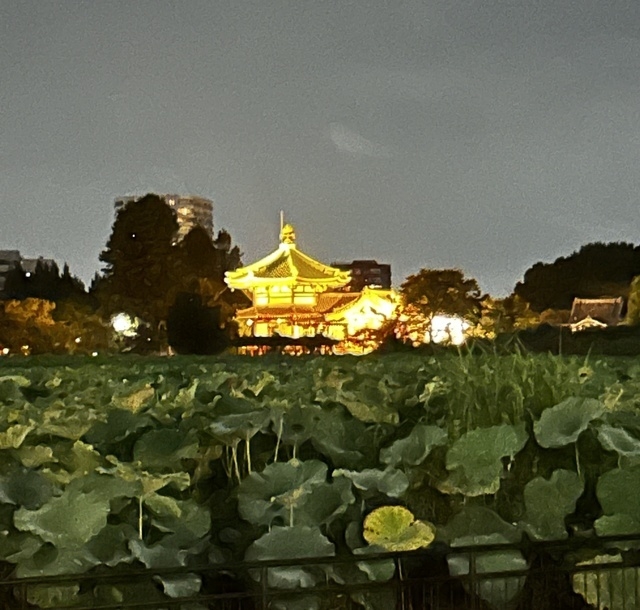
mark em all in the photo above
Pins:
pixel 576 574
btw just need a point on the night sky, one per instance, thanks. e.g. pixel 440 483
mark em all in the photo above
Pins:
pixel 485 135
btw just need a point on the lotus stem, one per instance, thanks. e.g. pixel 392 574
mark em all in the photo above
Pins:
pixel 247 450
pixel 140 517
pixel 234 457
pixel 275 456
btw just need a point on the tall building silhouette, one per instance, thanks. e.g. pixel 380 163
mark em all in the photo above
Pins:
pixel 191 211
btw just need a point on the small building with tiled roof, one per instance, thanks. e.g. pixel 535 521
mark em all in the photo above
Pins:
pixel 294 295
pixel 596 313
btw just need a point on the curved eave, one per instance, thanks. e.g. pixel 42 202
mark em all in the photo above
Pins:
pixel 254 275
pixel 376 297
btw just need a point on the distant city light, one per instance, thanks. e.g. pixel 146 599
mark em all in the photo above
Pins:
pixel 5 351
pixel 77 339
pixel 27 274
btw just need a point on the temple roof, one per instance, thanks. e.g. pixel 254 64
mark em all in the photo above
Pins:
pixel 606 310
pixel 287 265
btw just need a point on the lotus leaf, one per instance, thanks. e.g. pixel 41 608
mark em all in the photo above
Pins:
pixel 475 525
pixel 184 585
pixel 369 482
pixel 297 424
pixel 110 545
pixel 164 449
pixel 26 488
pixel 136 399
pixel 52 596
pixel 497 592
pixel 52 561
pixel 415 448
pixel 188 527
pixel 67 521
pixel 548 502
pixel 325 503
pixel 608 588
pixel 618 440
pixel 621 509
pixel 14 436
pixel 158 555
pixel 64 422
pixel 119 424
pixel 36 455
pixel 296 542
pixel 346 441
pixel 562 425
pixel 394 528
pixel 279 490
pixel 475 459
pixel 237 418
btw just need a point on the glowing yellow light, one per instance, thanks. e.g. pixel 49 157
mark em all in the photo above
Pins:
pixel 77 339
pixel 124 324
pixel 448 329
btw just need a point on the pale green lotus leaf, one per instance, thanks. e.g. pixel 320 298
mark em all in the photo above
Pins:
pixel 187 528
pixel 296 542
pixel 620 507
pixel 371 481
pixel 325 503
pixel 158 555
pixel 608 588
pixel 415 448
pixel 562 425
pixel 618 440
pixel 548 502
pixel 52 561
pixel 162 505
pixel 279 490
pixel 183 585
pixel 475 459
pixel 69 520
pixel 394 528
pixel 477 525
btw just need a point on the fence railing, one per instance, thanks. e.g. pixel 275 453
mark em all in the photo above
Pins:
pixel 576 574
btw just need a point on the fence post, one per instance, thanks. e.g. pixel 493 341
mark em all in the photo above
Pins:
pixel 472 579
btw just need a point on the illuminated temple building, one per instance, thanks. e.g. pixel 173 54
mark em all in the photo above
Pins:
pixel 294 295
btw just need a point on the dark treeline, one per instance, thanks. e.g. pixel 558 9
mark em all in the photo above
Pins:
pixel 595 270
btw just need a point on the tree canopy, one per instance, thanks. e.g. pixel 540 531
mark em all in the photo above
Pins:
pixel 147 267
pixel 44 282
pixel 442 291
pixel 596 270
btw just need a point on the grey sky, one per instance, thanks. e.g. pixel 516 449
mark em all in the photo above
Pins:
pixel 485 135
